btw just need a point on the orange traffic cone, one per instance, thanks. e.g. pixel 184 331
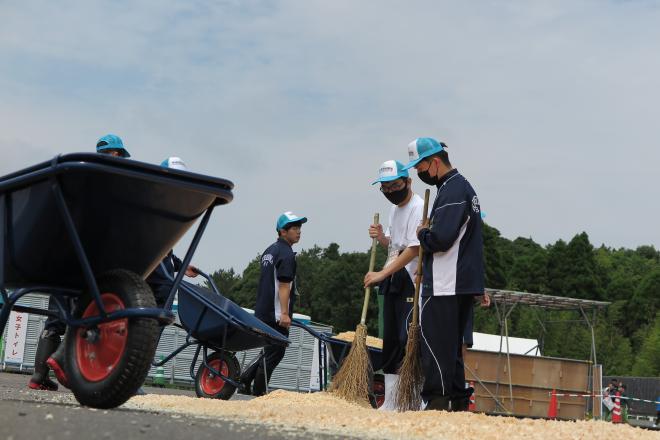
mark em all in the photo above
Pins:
pixel 473 404
pixel 552 407
pixel 616 411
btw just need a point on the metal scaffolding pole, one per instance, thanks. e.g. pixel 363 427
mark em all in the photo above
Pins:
pixel 503 317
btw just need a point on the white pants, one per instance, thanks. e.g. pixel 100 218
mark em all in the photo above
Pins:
pixel 389 404
pixel 391 382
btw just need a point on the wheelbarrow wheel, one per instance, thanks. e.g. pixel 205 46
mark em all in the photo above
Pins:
pixel 106 365
pixel 211 386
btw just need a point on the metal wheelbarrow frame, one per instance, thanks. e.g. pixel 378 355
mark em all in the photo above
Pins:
pixel 212 321
pixel 63 181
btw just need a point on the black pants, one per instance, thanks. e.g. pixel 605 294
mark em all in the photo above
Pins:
pixel 468 337
pixel 443 320
pixel 396 319
pixel 398 294
pixel 55 325
pixel 273 355
pixel 161 292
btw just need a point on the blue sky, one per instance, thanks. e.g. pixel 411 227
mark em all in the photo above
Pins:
pixel 548 108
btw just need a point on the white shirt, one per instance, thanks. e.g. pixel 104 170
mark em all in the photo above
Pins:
pixel 402 230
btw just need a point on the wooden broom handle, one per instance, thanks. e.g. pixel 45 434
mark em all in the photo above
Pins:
pixel 418 277
pixel 372 263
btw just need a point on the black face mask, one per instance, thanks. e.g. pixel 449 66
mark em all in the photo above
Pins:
pixel 425 177
pixel 396 197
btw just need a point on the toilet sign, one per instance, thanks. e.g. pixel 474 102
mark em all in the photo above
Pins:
pixel 16 332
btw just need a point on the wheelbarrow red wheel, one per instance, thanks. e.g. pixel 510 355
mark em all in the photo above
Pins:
pixel 211 386
pixel 98 354
pixel 108 363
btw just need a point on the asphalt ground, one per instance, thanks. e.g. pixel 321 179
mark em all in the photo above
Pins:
pixel 55 415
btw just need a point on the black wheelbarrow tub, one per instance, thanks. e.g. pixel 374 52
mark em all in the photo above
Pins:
pixel 208 315
pixel 128 215
pixel 340 349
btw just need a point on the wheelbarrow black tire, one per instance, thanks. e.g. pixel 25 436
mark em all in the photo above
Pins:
pixel 106 371
pixel 213 387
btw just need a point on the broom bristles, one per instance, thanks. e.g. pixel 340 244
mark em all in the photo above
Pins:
pixel 407 393
pixel 352 380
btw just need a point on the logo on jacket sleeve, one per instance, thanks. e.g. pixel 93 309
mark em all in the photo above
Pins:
pixel 266 260
pixel 475 204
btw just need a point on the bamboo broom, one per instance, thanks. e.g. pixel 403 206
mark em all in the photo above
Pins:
pixel 352 380
pixel 407 393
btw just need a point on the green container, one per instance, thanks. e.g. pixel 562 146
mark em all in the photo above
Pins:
pixel 159 377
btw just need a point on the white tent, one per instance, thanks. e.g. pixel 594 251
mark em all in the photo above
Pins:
pixel 487 342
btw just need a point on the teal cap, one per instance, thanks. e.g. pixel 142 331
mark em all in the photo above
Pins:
pixel 111 142
pixel 286 218
pixel 421 148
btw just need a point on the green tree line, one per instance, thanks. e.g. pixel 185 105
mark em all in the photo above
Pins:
pixel 627 332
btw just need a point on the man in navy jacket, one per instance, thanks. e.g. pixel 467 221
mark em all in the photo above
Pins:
pixel 453 273
pixel 276 295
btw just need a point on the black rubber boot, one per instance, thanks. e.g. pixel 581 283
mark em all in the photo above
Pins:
pixel 461 402
pixel 438 403
pixel 248 376
pixel 246 385
pixel 47 345
pixel 56 363
pixel 260 383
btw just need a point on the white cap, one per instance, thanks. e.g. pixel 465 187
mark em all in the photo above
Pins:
pixel 390 170
pixel 174 163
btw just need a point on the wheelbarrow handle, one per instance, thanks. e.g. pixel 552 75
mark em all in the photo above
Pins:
pixel 197 271
pixel 311 331
pixel 207 278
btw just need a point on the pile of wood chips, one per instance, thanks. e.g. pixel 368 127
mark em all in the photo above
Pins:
pixel 323 413
pixel 349 336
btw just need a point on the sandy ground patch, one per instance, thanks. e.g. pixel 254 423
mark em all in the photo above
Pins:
pixel 324 413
